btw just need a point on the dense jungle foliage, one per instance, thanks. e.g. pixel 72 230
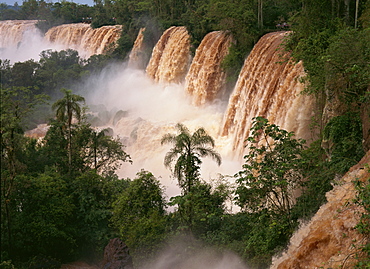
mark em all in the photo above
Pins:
pixel 61 199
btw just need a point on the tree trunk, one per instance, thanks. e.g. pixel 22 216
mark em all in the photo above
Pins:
pixel 356 13
pixel 95 157
pixel 260 14
pixel 7 187
pixel 346 11
pixel 69 149
pixel 333 8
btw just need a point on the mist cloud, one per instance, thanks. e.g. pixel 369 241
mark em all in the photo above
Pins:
pixel 184 253
pixel 30 47
pixel 152 110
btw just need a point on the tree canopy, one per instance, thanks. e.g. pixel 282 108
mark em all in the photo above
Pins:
pixel 272 171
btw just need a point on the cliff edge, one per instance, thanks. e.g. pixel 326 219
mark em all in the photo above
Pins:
pixel 330 239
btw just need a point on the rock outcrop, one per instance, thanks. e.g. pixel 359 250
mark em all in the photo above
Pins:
pixel 116 255
pixel 330 239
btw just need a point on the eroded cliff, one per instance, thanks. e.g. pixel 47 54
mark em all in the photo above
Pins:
pixel 330 239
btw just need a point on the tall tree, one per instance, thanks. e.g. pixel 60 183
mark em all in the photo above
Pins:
pixel 67 108
pixel 16 103
pixel 272 172
pixel 139 215
pixel 187 152
pixel 188 149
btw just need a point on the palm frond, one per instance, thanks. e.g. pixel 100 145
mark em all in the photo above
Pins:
pixel 170 157
pixel 182 129
pixel 200 137
pixel 70 102
pixel 208 152
pixel 186 151
pixel 168 139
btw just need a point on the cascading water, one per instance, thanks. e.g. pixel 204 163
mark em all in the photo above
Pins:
pixel 268 86
pixel 20 40
pixel 148 111
pixel 156 101
pixel 137 57
pixel 171 56
pixel 84 39
pixel 14 32
pixel 265 88
pixel 330 239
pixel 206 80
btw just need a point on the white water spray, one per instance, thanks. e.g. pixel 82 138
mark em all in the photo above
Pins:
pixel 152 110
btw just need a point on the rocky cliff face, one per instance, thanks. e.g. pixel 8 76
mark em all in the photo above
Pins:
pixel 330 239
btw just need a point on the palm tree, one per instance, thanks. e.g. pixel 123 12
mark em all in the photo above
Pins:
pixel 67 108
pixel 187 151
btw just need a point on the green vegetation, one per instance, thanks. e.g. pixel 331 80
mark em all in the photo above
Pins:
pixel 54 203
pixel 334 47
pixel 189 148
pixel 68 108
pixel 266 188
pixel 139 215
pixel 187 151
pixel 60 197
pixel 272 172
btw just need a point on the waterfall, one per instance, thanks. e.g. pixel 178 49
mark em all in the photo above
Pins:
pixel 84 39
pixel 144 105
pixel 150 110
pixel 330 239
pixel 174 88
pixel 20 40
pixel 268 86
pixel 171 56
pixel 137 55
pixel 206 79
pixel 14 32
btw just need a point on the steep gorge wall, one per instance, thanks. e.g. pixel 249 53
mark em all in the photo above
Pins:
pixel 330 239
